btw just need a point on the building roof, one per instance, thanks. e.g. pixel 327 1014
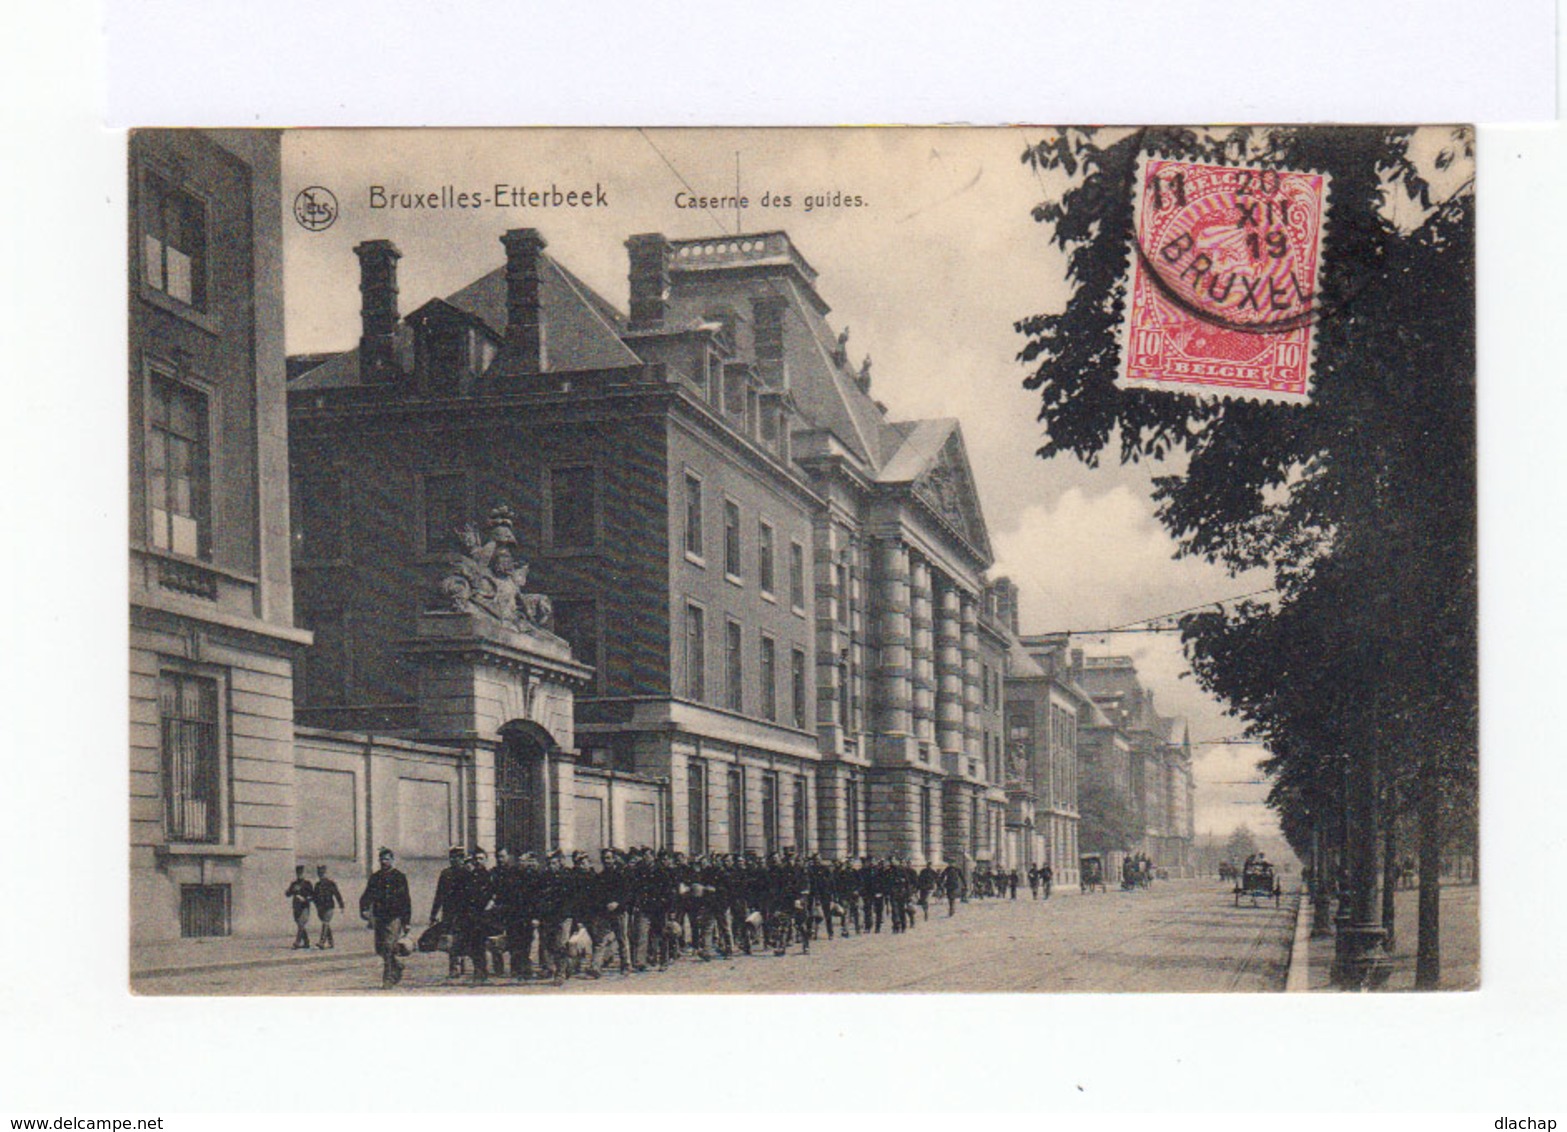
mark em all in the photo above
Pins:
pixel 583 328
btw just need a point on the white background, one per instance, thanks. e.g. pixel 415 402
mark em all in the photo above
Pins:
pixel 72 1039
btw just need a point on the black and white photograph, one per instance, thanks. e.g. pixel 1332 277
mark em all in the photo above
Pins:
pixel 764 561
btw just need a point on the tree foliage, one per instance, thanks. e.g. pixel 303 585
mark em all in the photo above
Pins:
pixel 1106 820
pixel 1361 503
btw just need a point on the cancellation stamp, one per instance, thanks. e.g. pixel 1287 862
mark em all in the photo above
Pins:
pixel 1223 293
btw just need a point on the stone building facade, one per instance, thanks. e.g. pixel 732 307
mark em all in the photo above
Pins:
pixel 776 592
pixel 212 636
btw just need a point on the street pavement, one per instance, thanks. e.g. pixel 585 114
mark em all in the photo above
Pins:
pixel 1182 935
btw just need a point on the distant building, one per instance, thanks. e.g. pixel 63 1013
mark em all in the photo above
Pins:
pixel 1130 756
pixel 212 630
pixel 777 589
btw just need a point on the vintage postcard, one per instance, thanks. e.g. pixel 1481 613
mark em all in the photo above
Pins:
pixel 861 560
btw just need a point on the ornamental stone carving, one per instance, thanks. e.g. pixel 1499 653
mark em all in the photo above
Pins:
pixel 488 576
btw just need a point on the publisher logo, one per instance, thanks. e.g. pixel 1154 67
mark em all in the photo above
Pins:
pixel 315 209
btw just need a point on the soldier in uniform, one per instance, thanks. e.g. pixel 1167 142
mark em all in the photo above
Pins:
pixel 444 908
pixel 328 898
pixel 871 893
pixel 471 931
pixel 611 907
pixel 554 916
pixel 303 897
pixel 1046 875
pixel 385 904
pixel 952 884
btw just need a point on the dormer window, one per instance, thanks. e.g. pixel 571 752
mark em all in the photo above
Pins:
pixel 451 347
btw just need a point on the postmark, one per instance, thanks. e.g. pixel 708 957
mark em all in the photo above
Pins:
pixel 1223 289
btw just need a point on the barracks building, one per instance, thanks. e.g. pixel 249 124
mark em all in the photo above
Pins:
pixel 775 592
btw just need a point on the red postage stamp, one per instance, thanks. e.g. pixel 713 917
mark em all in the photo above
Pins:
pixel 1224 279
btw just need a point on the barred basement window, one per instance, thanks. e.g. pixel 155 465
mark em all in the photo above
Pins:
pixel 192 787
pixel 205 910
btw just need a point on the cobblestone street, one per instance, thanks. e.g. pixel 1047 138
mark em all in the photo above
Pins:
pixel 1178 936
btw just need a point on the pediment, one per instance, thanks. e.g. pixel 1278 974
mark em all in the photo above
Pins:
pixel 946 486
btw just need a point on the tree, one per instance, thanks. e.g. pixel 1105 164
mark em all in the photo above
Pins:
pixel 1362 670
pixel 1241 844
pixel 1106 821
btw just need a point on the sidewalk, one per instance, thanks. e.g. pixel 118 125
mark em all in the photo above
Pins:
pixel 180 956
pixel 1460 939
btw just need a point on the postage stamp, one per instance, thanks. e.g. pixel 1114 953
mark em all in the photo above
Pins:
pixel 1224 272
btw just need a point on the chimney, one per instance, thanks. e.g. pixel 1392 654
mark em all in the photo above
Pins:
pixel 649 276
pixel 525 350
pixel 1077 662
pixel 1006 600
pixel 378 316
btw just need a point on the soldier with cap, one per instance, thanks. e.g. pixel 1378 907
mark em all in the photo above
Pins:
pixel 328 899
pixel 386 906
pixel 303 896
pixel 470 928
pixel 449 888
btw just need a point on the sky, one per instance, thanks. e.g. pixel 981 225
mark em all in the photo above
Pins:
pixel 929 272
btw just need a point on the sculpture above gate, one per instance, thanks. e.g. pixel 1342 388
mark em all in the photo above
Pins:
pixel 488 576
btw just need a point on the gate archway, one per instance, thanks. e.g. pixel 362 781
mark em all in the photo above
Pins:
pixel 522 788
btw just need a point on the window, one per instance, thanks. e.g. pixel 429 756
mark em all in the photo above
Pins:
pixel 802 813
pixel 731 538
pixel 769 316
pixel 925 820
pixel 737 809
pixel 174 242
pixel 764 557
pixel 318 515
pixel 845 709
pixel 769 678
pixel 797 576
pixel 734 391
pixel 178 475
pixel 192 782
pixel 576 621
pixel 984 684
pixel 797 685
pixel 734 668
pixel 696 801
pixel 205 910
pixel 569 518
pixel 851 804
pixel 696 653
pixel 841 582
pixel 693 516
pixel 446 509
pixel 769 811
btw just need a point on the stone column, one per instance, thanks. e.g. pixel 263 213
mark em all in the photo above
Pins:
pixel 924 654
pixel 894 677
pixel 968 620
pixel 831 639
pixel 949 679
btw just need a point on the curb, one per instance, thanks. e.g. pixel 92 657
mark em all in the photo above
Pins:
pixel 1298 980
pixel 243 964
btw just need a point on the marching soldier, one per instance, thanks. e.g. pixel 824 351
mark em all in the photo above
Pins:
pixel 328 899
pixel 449 887
pixel 387 908
pixel 303 897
